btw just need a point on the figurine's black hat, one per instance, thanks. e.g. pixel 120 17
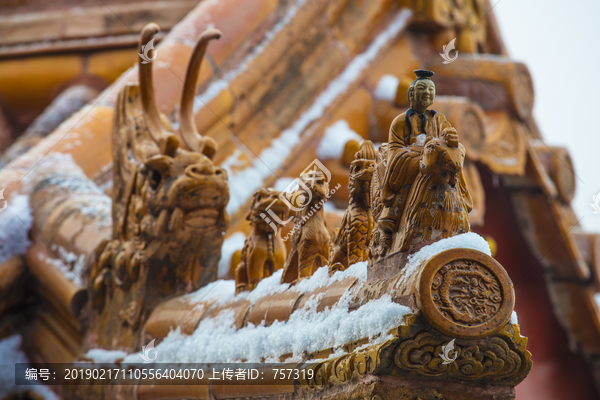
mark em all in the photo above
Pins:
pixel 423 74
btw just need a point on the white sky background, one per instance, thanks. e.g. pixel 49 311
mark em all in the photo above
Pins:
pixel 559 43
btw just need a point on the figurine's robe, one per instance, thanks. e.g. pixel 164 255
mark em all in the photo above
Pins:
pixel 405 148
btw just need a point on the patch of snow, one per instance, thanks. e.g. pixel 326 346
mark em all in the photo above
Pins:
pixel 230 245
pixel 63 177
pixel 514 319
pixel 63 173
pixel 244 184
pixel 98 209
pixel 233 161
pixel 106 168
pixel 504 161
pixel 69 179
pixel 15 222
pixel 319 279
pixel 215 290
pixel 217 339
pixel 386 88
pixel 597 299
pixel 63 268
pixel 282 184
pixel 215 88
pixel 11 354
pixel 272 158
pixel 329 207
pixel 75 263
pixel 105 356
pixel 106 185
pixel 469 240
pixel 335 139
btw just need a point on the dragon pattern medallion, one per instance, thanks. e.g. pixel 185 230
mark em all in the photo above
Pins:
pixel 466 292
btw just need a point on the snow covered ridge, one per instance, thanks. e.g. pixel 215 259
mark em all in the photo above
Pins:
pixel 218 340
pixel 306 331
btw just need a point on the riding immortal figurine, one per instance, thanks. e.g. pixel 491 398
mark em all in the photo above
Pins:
pixel 423 190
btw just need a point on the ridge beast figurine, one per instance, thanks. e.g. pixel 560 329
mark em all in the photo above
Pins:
pixel 264 250
pixel 350 241
pixel 168 208
pixel 310 243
